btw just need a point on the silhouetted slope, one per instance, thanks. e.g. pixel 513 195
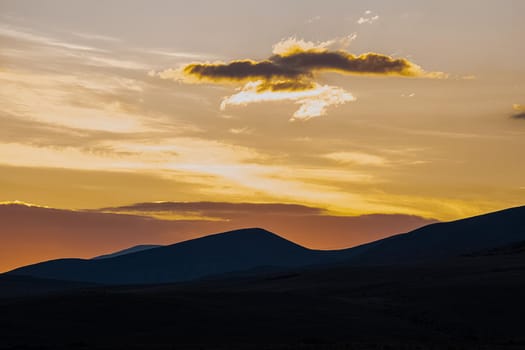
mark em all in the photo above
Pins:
pixel 221 253
pixel 130 250
pixel 248 249
pixel 467 303
pixel 445 240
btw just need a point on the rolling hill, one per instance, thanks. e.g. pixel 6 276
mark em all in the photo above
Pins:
pixel 447 239
pixel 129 250
pixel 249 249
pixel 216 254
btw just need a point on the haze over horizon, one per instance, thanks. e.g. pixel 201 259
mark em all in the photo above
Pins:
pixel 365 118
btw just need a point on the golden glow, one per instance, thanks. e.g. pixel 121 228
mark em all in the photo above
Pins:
pixel 292 45
pixel 169 216
pixel 25 204
pixel 90 120
pixel 518 108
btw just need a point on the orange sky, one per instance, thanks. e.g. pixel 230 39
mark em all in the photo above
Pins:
pixel 404 108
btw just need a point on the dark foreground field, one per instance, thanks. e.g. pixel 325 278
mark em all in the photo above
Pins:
pixel 475 302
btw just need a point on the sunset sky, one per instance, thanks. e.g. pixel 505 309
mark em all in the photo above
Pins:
pixel 352 107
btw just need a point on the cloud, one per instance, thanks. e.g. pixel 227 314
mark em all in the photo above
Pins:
pixel 313 19
pixel 357 158
pixel 299 62
pixel 313 102
pixel 219 210
pixel 241 131
pixel 292 45
pixel 96 37
pixel 519 111
pixel 290 73
pixel 24 35
pixel 175 54
pixel 368 17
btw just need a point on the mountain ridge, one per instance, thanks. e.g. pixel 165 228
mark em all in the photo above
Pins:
pixel 133 249
pixel 251 248
pixel 431 242
pixel 219 253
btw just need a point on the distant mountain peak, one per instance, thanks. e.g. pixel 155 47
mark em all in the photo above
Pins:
pixel 134 249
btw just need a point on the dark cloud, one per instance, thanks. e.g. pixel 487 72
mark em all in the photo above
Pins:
pixel 341 61
pixel 520 116
pixel 219 209
pixel 295 70
pixel 241 71
pixel 287 85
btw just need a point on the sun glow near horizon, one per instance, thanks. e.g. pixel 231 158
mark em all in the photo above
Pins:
pixel 382 122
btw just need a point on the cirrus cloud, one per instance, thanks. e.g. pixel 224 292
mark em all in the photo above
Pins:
pixel 368 17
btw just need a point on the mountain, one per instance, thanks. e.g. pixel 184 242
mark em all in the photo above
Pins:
pixel 446 240
pixel 256 250
pixel 467 303
pixel 130 250
pixel 216 254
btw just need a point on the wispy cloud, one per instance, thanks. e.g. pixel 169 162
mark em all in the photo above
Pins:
pixel 96 37
pixel 357 158
pixel 177 54
pixel 45 40
pixel 313 19
pixel 89 49
pixel 293 44
pixel 368 18
pixel 241 131
pixel 36 48
pixel 100 61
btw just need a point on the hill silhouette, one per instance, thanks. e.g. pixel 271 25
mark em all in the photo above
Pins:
pixel 254 248
pixel 216 254
pixel 129 250
pixel 447 239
